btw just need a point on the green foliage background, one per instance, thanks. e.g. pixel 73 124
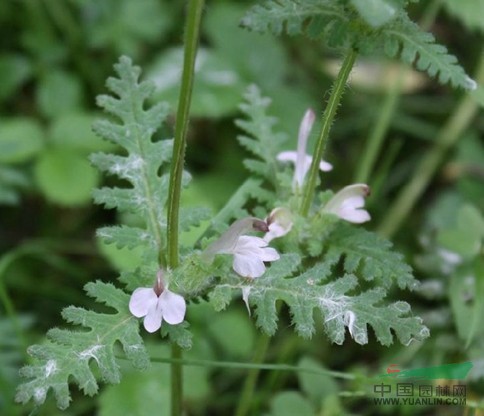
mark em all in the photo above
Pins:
pixel 54 59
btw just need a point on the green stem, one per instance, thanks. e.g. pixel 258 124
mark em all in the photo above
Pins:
pixel 176 380
pixel 375 140
pixel 328 116
pixel 192 33
pixel 245 401
pixel 251 366
pixel 447 137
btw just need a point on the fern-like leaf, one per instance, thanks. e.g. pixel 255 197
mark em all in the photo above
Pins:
pixel 338 303
pixel 133 130
pixel 342 26
pixel 69 355
pixel 369 256
pixel 261 140
pixel 405 39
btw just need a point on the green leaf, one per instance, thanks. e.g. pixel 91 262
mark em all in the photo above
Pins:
pixel 466 236
pixel 240 343
pixel 369 256
pixel 65 177
pixel 74 131
pixel 339 308
pixel 255 56
pixel 217 85
pixel 14 71
pixel 59 93
pixel 405 39
pixel 20 140
pixel 290 403
pixel 140 394
pixel 369 33
pixel 316 386
pixel 261 140
pixel 67 356
pixel 132 129
pixel 11 179
pixel 122 258
pixel 115 24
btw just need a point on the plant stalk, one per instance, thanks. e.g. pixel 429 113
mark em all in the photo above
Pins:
pixel 192 34
pixel 375 140
pixel 447 137
pixel 328 117
pixel 245 401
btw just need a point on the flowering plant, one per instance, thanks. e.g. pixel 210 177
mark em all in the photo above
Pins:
pixel 282 239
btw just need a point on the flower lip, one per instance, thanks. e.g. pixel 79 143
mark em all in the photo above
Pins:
pixel 250 253
pixel 280 223
pixel 228 240
pixel 349 202
pixel 156 304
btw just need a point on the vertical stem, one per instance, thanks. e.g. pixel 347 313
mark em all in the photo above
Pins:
pixel 245 401
pixel 447 137
pixel 375 140
pixel 328 116
pixel 192 33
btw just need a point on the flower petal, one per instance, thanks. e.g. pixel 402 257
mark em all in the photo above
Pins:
pixel 153 319
pixel 356 216
pixel 325 166
pixel 248 243
pixel 302 140
pixel 269 254
pixel 288 156
pixel 280 223
pixel 227 242
pixel 141 301
pixel 346 202
pixel 248 266
pixel 173 307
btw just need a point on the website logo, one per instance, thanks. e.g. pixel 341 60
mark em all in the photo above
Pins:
pixel 438 385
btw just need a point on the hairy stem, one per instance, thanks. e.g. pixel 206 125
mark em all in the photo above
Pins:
pixel 447 137
pixel 328 117
pixel 192 33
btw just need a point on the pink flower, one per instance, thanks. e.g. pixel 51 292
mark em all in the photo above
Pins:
pixel 279 222
pixel 156 304
pixel 300 159
pixel 349 202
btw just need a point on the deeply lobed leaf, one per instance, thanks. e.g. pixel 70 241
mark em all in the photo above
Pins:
pixel 338 302
pixel 69 355
pixel 369 27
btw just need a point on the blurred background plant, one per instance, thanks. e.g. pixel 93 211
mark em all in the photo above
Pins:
pixel 54 58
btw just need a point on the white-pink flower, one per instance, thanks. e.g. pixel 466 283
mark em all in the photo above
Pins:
pixel 250 253
pixel 301 160
pixel 348 203
pixel 156 304
pixel 279 222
